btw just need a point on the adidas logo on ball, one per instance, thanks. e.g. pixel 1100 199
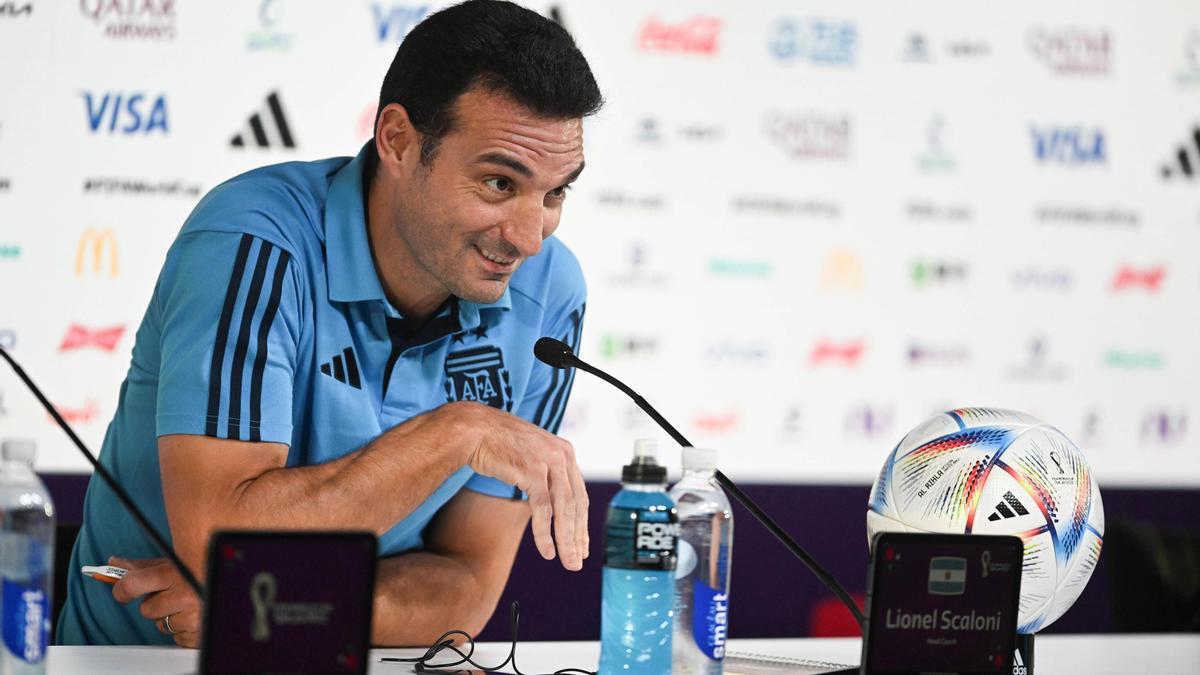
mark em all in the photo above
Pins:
pixel 1010 507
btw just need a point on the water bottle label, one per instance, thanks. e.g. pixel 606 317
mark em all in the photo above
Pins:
pixel 24 619
pixel 710 619
pixel 641 539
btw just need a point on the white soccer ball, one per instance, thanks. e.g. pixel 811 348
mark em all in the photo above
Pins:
pixel 990 471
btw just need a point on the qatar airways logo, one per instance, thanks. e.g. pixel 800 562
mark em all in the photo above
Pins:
pixel 827 352
pixel 1129 277
pixel 697 35
pixel 134 20
pixel 78 337
pixel 1073 50
pixel 809 134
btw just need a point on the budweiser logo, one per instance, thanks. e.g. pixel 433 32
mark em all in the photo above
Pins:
pixel 78 337
pixel 847 353
pixel 697 35
pixel 716 422
pixel 1149 278
pixel 77 415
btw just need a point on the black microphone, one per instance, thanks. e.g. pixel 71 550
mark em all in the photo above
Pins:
pixel 558 354
pixel 123 496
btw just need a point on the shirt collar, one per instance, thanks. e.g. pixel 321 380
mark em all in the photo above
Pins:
pixel 348 260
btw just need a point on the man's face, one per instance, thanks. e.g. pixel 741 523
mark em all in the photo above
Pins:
pixel 493 191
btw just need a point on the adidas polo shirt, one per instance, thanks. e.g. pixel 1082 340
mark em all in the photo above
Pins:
pixel 268 323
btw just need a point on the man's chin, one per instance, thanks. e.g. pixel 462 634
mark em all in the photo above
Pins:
pixel 484 292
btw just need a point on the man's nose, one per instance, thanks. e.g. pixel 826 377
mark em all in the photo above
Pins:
pixel 524 229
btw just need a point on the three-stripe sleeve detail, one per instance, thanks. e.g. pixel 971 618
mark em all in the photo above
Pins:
pixel 271 263
pixel 553 404
pixel 260 353
pixel 218 359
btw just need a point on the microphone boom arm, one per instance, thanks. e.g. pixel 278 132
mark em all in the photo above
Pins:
pixel 132 508
pixel 784 538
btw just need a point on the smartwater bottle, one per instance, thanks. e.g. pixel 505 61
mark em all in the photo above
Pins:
pixel 639 571
pixel 26 561
pixel 702 573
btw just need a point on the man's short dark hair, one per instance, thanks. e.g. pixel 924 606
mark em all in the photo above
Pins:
pixel 492 44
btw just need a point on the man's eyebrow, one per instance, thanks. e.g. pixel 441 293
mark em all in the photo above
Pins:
pixel 574 174
pixel 516 165
pixel 506 161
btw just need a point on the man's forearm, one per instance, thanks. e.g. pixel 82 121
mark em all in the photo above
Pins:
pixel 421 595
pixel 373 488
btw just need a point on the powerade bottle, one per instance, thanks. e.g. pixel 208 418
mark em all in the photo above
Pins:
pixel 26 561
pixel 702 574
pixel 639 570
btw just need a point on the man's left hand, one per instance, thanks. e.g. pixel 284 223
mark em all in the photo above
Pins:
pixel 167 600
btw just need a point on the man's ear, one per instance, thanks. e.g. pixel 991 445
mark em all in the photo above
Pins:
pixel 396 141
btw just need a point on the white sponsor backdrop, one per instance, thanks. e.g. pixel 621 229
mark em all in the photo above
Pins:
pixel 806 226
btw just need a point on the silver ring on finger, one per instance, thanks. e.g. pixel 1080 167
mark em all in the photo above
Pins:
pixel 167 625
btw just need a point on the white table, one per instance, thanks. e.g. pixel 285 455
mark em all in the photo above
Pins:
pixel 1056 654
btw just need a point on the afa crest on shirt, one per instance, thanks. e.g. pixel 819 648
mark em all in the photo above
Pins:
pixel 478 374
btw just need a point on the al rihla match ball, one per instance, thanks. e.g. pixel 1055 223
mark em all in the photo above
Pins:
pixel 992 471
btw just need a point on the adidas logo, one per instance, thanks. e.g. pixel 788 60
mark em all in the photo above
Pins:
pixel 280 133
pixel 1018 664
pixel 1006 508
pixel 343 368
pixel 1186 160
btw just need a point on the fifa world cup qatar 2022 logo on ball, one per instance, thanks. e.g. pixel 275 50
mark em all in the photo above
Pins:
pixel 1000 472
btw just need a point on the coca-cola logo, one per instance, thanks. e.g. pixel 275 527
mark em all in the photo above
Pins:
pixel 697 35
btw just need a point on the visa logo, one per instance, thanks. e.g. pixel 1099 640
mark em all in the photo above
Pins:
pixel 393 23
pixel 126 113
pixel 1068 145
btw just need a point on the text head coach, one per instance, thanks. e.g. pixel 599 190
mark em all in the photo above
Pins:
pixel 348 343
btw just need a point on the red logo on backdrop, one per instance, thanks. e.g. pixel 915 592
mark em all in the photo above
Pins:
pixel 845 353
pixel 697 35
pixel 1149 278
pixel 716 423
pixel 104 338
pixel 81 415
pixel 366 121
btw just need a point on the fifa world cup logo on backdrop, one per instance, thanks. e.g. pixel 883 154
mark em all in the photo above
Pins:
pixel 262 596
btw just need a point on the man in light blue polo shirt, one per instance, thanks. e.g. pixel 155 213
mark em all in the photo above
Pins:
pixel 347 343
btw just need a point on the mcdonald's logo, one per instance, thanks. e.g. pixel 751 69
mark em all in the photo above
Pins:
pixel 96 243
pixel 842 271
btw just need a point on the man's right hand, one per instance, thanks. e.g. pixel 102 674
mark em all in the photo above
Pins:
pixel 541 464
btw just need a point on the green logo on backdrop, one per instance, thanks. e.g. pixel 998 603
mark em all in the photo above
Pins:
pixel 727 267
pixel 9 251
pixel 1131 360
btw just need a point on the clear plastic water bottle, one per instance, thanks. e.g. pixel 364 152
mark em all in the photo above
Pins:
pixel 639 570
pixel 26 561
pixel 702 574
